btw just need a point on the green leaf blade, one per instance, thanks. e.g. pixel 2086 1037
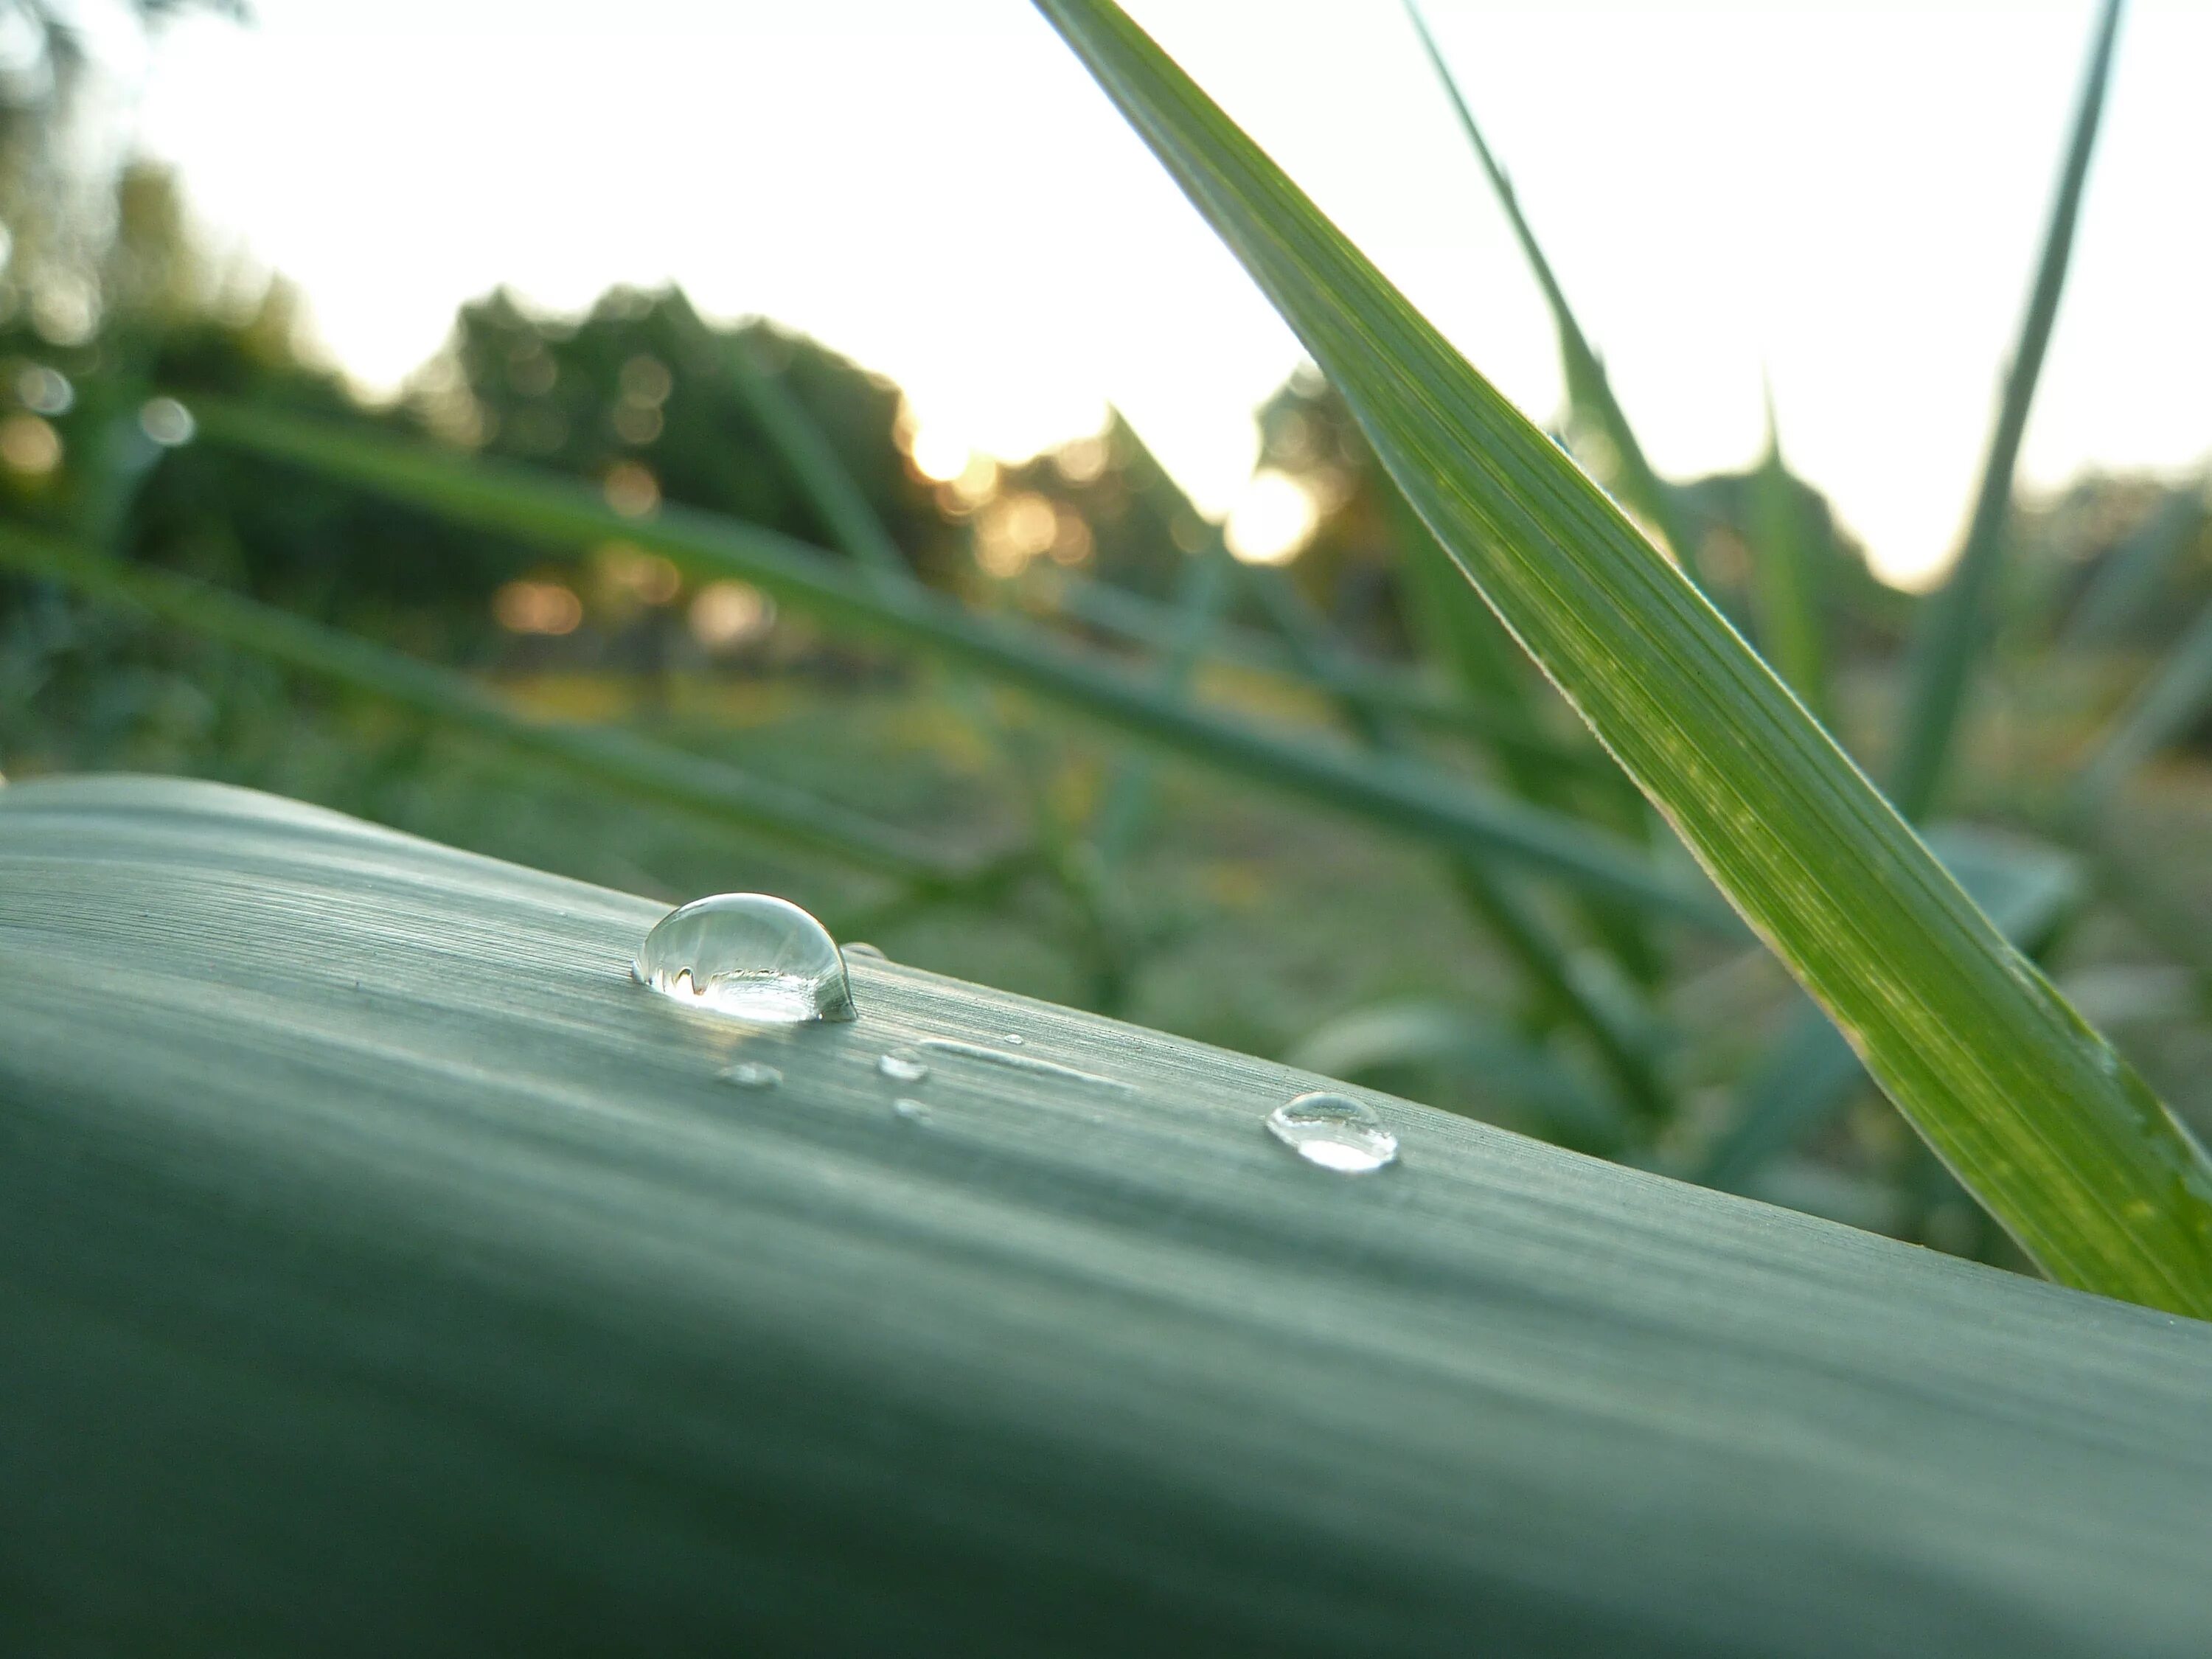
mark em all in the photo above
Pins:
pixel 1957 615
pixel 2032 1109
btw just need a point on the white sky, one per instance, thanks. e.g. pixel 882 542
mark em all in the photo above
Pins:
pixel 1849 195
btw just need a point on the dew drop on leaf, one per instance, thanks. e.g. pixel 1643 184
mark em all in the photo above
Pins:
pixel 1335 1131
pixel 909 1111
pixel 752 1074
pixel 902 1065
pixel 861 947
pixel 748 954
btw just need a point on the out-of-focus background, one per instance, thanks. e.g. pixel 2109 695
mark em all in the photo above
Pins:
pixel 639 249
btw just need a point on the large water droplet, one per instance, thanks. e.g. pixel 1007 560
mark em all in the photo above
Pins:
pixel 902 1065
pixel 1334 1131
pixel 752 1074
pixel 750 955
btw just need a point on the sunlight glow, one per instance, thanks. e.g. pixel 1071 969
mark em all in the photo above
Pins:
pixel 1273 520
pixel 537 608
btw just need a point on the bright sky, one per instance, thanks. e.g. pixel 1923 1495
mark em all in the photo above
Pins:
pixel 1848 194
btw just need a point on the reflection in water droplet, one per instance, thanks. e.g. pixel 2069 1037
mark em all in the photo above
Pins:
pixel 902 1065
pixel 1024 1063
pixel 1334 1131
pixel 861 947
pixel 747 954
pixel 752 1074
pixel 909 1111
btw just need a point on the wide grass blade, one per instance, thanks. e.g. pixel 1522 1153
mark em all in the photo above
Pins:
pixel 382 1272
pixel 1956 620
pixel 716 790
pixel 2033 1110
pixel 1414 801
pixel 1589 392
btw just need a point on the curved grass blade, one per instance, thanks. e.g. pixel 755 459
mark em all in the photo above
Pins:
pixel 1414 801
pixel 1956 620
pixel 385 1274
pixel 2033 1109
pixel 1610 1010
pixel 1589 393
pixel 692 782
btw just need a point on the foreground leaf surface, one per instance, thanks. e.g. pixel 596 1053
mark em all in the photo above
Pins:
pixel 2034 1111
pixel 381 1271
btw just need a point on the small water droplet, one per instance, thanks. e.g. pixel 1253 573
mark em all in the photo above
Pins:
pixel 902 1065
pixel 909 1111
pixel 861 947
pixel 748 955
pixel 1013 1039
pixel 752 1074
pixel 1334 1131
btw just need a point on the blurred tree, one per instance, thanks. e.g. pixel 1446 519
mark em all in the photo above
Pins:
pixel 61 148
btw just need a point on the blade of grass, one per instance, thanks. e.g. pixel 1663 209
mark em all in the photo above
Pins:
pixel 1205 584
pixel 1612 1014
pixel 1475 647
pixel 1589 393
pixel 1953 625
pixel 387 1274
pixel 1810 1073
pixel 1785 579
pixel 1136 620
pixel 2036 1113
pixel 647 769
pixel 1414 801
pixel 2131 575
pixel 2167 706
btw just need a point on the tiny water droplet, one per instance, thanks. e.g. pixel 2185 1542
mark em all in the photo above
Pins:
pixel 1013 1039
pixel 861 947
pixel 909 1111
pixel 902 1065
pixel 752 1074
pixel 748 955
pixel 1333 1130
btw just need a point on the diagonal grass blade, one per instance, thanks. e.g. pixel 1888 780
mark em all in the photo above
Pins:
pixel 2031 1107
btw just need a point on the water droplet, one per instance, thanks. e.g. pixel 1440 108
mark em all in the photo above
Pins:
pixel 861 947
pixel 1334 1131
pixel 909 1111
pixel 752 1074
pixel 750 955
pixel 1024 1063
pixel 1013 1039
pixel 902 1065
